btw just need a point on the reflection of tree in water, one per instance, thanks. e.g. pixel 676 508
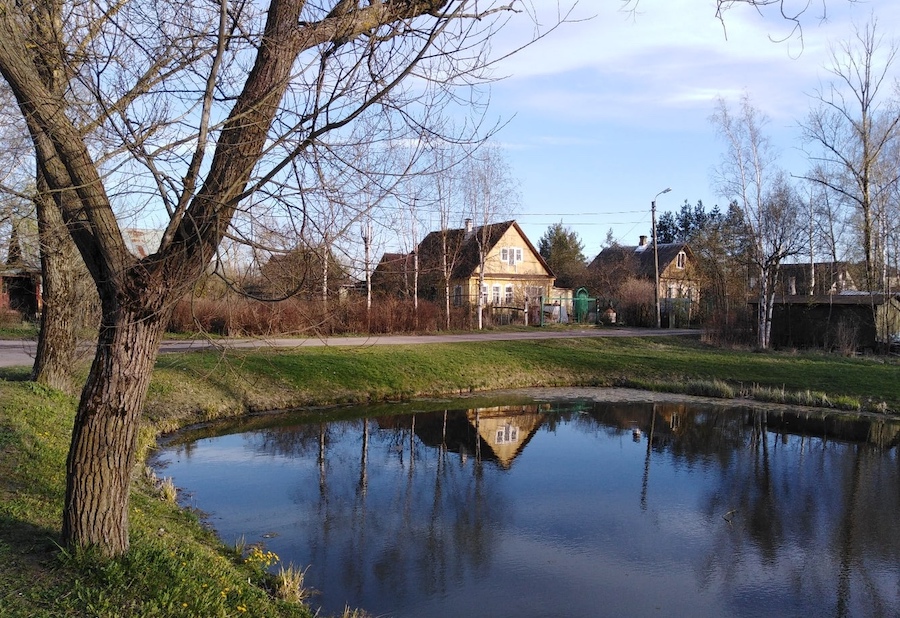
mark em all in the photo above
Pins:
pixel 766 511
pixel 412 503
pixel 771 511
pixel 390 511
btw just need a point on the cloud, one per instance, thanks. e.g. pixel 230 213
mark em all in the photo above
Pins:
pixel 672 56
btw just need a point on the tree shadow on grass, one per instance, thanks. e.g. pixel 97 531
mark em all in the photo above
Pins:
pixel 15 374
pixel 29 557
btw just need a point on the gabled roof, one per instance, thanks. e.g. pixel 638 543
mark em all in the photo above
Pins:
pixel 23 254
pixel 394 263
pixel 463 245
pixel 640 256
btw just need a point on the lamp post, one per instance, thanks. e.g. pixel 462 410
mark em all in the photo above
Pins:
pixel 656 257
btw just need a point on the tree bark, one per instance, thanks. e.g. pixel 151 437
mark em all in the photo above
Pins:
pixel 58 339
pixel 102 453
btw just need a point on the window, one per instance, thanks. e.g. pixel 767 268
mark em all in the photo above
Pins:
pixel 484 296
pixel 509 295
pixel 511 255
pixel 457 296
pixel 496 294
pixel 680 260
pixel 507 434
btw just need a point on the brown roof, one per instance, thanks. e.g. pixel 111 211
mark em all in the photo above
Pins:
pixel 640 256
pixel 463 248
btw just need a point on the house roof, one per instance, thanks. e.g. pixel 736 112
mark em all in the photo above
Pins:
pixel 464 246
pixel 640 256
pixel 394 263
pixel 23 254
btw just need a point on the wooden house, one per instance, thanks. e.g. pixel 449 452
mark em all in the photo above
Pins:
pixel 20 275
pixel 513 269
pixel 679 287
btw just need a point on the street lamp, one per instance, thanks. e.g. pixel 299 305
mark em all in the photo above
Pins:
pixel 656 257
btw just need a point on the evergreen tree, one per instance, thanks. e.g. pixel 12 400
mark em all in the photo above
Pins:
pixel 564 252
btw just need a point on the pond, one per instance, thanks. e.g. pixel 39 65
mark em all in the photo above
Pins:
pixel 562 508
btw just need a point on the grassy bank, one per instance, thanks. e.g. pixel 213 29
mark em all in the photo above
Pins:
pixel 176 568
pixel 196 387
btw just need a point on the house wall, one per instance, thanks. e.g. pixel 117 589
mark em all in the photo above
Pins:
pixel 503 268
pixel 529 265
pixel 677 282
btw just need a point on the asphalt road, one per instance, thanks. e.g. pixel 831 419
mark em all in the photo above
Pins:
pixel 15 353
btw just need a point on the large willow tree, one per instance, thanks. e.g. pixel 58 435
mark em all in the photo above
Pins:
pixel 201 110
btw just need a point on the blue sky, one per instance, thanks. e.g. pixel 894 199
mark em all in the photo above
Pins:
pixel 606 113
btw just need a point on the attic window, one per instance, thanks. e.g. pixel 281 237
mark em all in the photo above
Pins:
pixel 680 259
pixel 511 255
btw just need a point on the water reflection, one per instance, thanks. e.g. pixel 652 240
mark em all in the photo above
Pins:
pixel 567 509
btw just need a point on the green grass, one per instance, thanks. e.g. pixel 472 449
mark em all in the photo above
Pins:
pixel 201 386
pixel 177 568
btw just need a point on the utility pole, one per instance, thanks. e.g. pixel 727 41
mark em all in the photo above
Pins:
pixel 656 257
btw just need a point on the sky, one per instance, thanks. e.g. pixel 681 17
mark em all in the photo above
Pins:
pixel 605 113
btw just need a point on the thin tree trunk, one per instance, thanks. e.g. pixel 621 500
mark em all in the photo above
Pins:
pixel 57 340
pixel 102 453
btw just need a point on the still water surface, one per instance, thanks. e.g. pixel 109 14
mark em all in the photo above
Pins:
pixel 564 509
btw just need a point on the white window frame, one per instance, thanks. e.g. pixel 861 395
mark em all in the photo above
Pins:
pixel 508 296
pixel 680 260
pixel 511 255
pixel 495 294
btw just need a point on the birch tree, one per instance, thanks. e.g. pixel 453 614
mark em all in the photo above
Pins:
pixel 850 133
pixel 491 194
pixel 748 175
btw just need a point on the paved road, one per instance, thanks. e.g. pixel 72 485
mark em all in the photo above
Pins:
pixel 21 353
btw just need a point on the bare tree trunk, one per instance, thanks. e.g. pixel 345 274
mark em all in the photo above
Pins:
pixel 481 296
pixel 762 313
pixel 102 453
pixel 367 242
pixel 446 272
pixel 58 339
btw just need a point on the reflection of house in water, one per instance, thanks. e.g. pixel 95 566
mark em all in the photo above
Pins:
pixel 490 434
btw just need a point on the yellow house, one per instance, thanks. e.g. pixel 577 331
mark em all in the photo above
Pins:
pixel 513 268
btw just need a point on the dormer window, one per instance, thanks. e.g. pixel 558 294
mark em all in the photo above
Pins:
pixel 680 259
